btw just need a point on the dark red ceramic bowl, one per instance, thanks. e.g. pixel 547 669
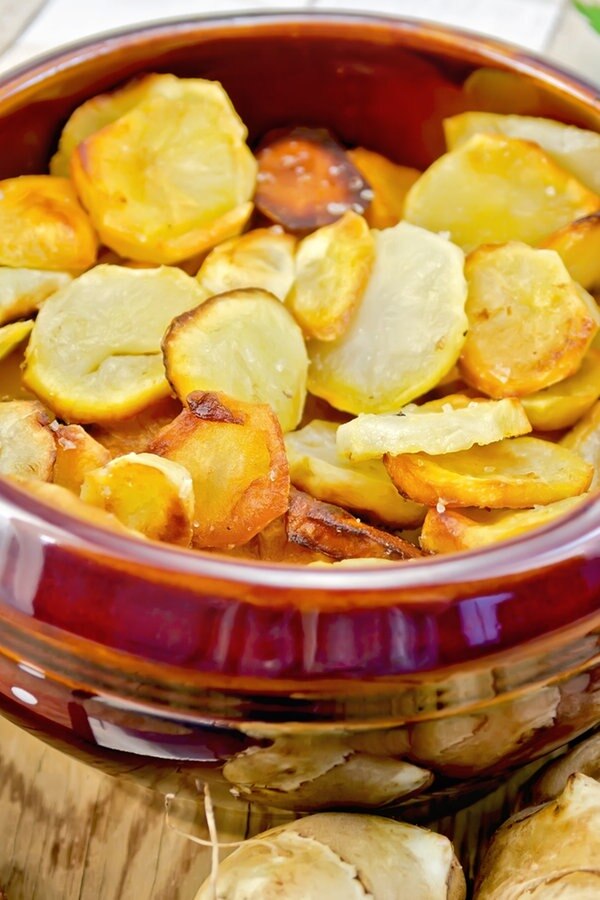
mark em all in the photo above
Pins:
pixel 467 665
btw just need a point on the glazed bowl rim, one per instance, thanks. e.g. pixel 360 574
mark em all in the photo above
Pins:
pixel 569 535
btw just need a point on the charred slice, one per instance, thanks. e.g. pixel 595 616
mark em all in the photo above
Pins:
pixel 306 179
pixel 331 530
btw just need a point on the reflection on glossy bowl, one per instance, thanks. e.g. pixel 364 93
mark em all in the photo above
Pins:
pixel 425 679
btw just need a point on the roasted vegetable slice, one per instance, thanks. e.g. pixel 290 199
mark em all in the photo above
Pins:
pixel 103 109
pixel 94 353
pixel 584 439
pixel 574 149
pixel 321 772
pixel 365 487
pixel 333 531
pixel 333 265
pixel 170 178
pixel 390 184
pixel 22 291
pixel 77 453
pixel 263 258
pixel 530 324
pixel 306 179
pixel 235 454
pixel 244 343
pixel 340 855
pixel 453 530
pixel 407 332
pixel 512 474
pixel 549 852
pixel 152 495
pixel 26 444
pixel 42 225
pixel 493 189
pixel 578 245
pixel 12 335
pixel 562 404
pixel 417 430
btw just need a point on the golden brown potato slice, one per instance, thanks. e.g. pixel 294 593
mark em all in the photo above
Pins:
pixel 578 245
pixel 389 182
pixel 365 487
pixel 152 495
pixel 12 335
pixel 273 545
pixel 512 474
pixel 134 434
pixel 22 291
pixel 574 149
pixel 530 324
pixel 263 258
pixel 103 109
pixel 26 443
pixel 407 332
pixel 333 266
pixel 306 179
pixel 94 353
pixel 494 189
pixel 333 531
pixel 77 453
pixel 235 454
pixel 42 225
pixel 562 404
pixel 584 439
pixel 453 530
pixel 244 343
pixel 170 178
pixel 444 431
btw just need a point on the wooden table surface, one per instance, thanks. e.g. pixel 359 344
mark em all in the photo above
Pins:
pixel 69 832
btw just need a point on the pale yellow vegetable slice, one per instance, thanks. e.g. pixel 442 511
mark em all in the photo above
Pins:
pixel 12 335
pixel 245 344
pixel 389 182
pixel 512 474
pixel 94 353
pixel 493 189
pixel 26 444
pixel 77 453
pixel 407 332
pixel 152 495
pixel 453 530
pixel 263 258
pixel 479 422
pixel 578 245
pixel 584 439
pixel 365 487
pixel 42 225
pixel 530 324
pixel 170 178
pixel 333 265
pixel 562 404
pixel 103 109
pixel 22 291
pixel 574 149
